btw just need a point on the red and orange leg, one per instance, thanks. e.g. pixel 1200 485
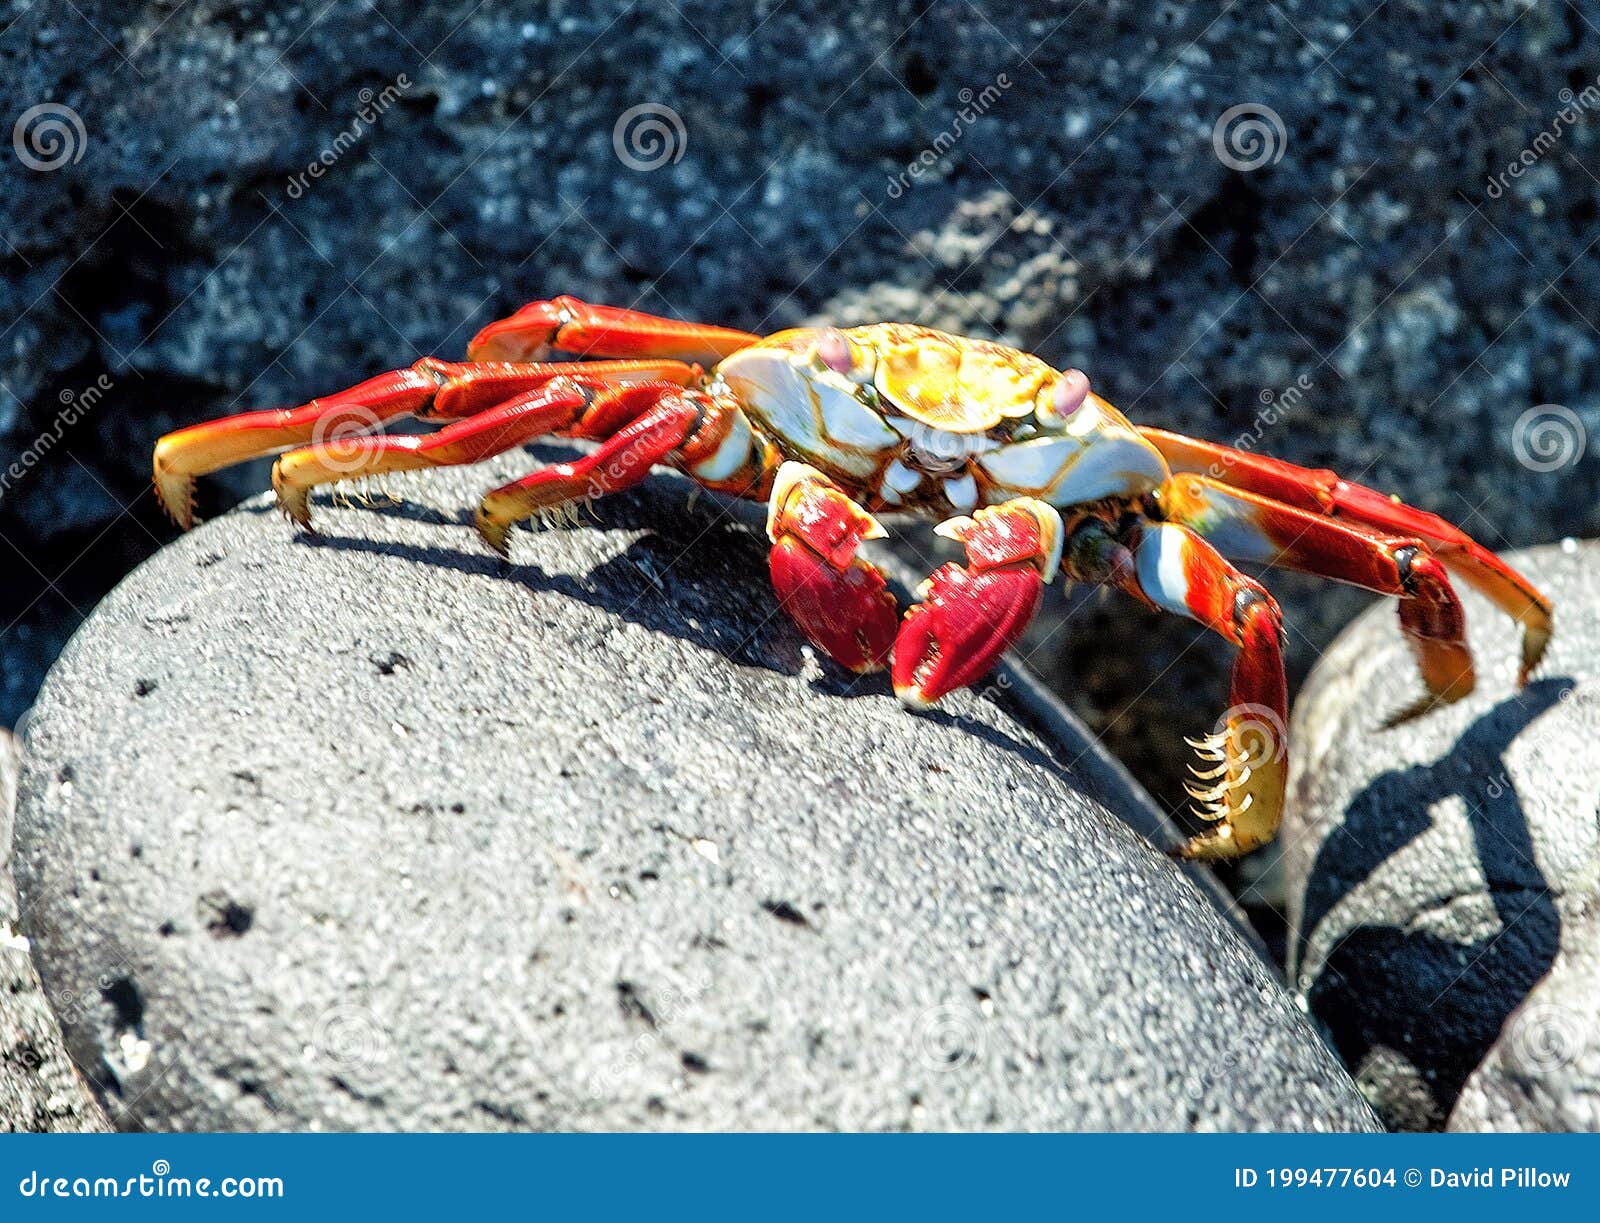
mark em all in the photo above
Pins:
pixel 1322 493
pixel 573 406
pixel 1255 528
pixel 634 436
pixel 506 359
pixel 566 324
pixel 1244 760
pixel 432 389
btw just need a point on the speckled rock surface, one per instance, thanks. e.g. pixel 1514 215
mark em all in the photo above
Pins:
pixel 1543 1074
pixel 1435 868
pixel 39 1090
pixel 361 832
pixel 1084 212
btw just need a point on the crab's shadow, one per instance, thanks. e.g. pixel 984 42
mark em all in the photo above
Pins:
pixel 1438 1001
pixel 684 573
pixel 676 576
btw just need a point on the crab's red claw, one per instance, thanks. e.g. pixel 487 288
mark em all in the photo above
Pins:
pixel 969 616
pixel 847 613
pixel 839 601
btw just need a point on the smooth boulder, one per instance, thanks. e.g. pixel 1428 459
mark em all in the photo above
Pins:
pixel 360 831
pixel 39 1088
pixel 1543 1074
pixel 1436 867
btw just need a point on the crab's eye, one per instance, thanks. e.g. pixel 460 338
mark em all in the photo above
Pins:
pixel 834 350
pixel 1071 389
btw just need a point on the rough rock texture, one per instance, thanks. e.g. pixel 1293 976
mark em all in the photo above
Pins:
pixel 39 1090
pixel 358 831
pixel 1436 869
pixel 1543 1074
pixel 1084 212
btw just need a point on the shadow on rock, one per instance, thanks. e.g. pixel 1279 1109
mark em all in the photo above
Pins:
pixel 1440 1001
pixel 709 551
pixel 624 586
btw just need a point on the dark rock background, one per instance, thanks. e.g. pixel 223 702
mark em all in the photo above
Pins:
pixel 1085 214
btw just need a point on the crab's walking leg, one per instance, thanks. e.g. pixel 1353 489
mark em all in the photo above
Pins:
pixel 969 616
pixel 1241 788
pixel 689 428
pixel 838 600
pixel 555 407
pixel 432 388
pixel 1320 491
pixel 566 324
pixel 1254 528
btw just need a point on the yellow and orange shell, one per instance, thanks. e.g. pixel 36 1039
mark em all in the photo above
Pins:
pixel 945 381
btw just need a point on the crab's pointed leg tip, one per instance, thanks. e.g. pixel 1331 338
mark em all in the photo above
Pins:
pixel 1535 640
pixel 1411 711
pixel 494 533
pixel 293 500
pixel 296 505
pixel 176 495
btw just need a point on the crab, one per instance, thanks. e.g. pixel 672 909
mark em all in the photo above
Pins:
pixel 1023 465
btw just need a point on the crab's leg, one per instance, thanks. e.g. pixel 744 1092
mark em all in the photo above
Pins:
pixel 838 600
pixel 430 388
pixel 566 324
pixel 969 616
pixel 1242 782
pixel 1320 491
pixel 560 405
pixel 1254 528
pixel 673 427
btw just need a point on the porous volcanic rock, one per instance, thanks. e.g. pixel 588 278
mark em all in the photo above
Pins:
pixel 1436 868
pixel 1543 1074
pixel 39 1090
pixel 357 830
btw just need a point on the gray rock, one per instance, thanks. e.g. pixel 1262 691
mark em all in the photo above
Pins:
pixel 1543 1074
pixel 1436 868
pixel 1084 213
pixel 39 1089
pixel 358 831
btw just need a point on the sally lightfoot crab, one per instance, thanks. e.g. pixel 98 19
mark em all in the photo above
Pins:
pixel 1023 465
